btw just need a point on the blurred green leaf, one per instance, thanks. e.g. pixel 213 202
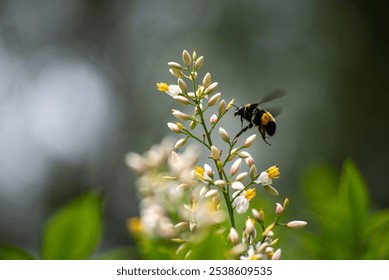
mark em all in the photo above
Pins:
pixel 211 247
pixel 377 232
pixel 341 226
pixel 11 252
pixel 353 193
pixel 74 231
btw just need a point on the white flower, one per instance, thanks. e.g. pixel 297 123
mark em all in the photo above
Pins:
pixel 266 179
pixel 251 254
pixel 241 200
pixel 263 179
pixel 173 90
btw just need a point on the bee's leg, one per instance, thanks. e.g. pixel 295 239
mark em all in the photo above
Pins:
pixel 264 137
pixel 241 121
pixel 243 130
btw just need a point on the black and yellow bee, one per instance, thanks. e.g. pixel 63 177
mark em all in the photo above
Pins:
pixel 254 115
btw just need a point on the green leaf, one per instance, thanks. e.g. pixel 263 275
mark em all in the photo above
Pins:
pixel 353 193
pixel 74 231
pixel 377 232
pixel 11 252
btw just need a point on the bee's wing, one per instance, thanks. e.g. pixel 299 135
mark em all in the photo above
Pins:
pixel 273 96
pixel 275 110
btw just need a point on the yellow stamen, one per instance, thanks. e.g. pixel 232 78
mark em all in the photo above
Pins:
pixel 250 194
pixel 254 258
pixel 273 172
pixel 199 172
pixel 270 254
pixel 162 86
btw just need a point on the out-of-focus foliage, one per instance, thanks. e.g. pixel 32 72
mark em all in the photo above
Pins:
pixel 10 252
pixel 75 230
pixel 72 233
pixel 343 225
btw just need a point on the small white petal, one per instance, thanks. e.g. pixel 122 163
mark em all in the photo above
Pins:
pixel 270 190
pixel 211 193
pixel 237 186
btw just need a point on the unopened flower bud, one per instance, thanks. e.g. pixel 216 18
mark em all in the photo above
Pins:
pixel 208 170
pixel 211 88
pixel 192 125
pixel 253 171
pixel 215 98
pixel 222 107
pixel 237 186
pixel 268 229
pixel 204 190
pixel 199 62
pixel 181 83
pixel 250 228
pixel 194 74
pixel 174 127
pixel 175 65
pixel 186 57
pixel 215 153
pixel 230 104
pixel 211 193
pixel 241 176
pixel 256 214
pixel 249 141
pixel 182 187
pixel 243 154
pixel 176 72
pixel 279 209
pixel 180 143
pixel 286 203
pixel 296 224
pixel 194 55
pixel 224 135
pixel 261 215
pixel 181 99
pixel 213 119
pixel 219 183
pixel 235 167
pixel 276 255
pixel 249 161
pixel 233 236
pixel 199 92
pixel 206 80
pixel 180 115
pixel 181 226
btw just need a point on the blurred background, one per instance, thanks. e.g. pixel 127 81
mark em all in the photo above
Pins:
pixel 77 92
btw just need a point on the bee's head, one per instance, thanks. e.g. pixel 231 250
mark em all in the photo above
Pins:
pixel 239 111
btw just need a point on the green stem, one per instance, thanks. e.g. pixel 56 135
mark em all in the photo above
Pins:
pixel 222 174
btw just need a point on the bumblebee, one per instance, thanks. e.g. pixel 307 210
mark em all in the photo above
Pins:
pixel 259 117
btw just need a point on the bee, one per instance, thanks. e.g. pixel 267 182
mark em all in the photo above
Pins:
pixel 255 115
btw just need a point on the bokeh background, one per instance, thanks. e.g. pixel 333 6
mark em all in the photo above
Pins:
pixel 77 91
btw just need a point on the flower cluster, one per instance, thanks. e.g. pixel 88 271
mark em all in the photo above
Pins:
pixel 181 198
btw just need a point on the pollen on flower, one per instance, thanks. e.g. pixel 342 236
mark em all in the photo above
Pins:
pixel 250 194
pixel 199 172
pixel 273 172
pixel 162 87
